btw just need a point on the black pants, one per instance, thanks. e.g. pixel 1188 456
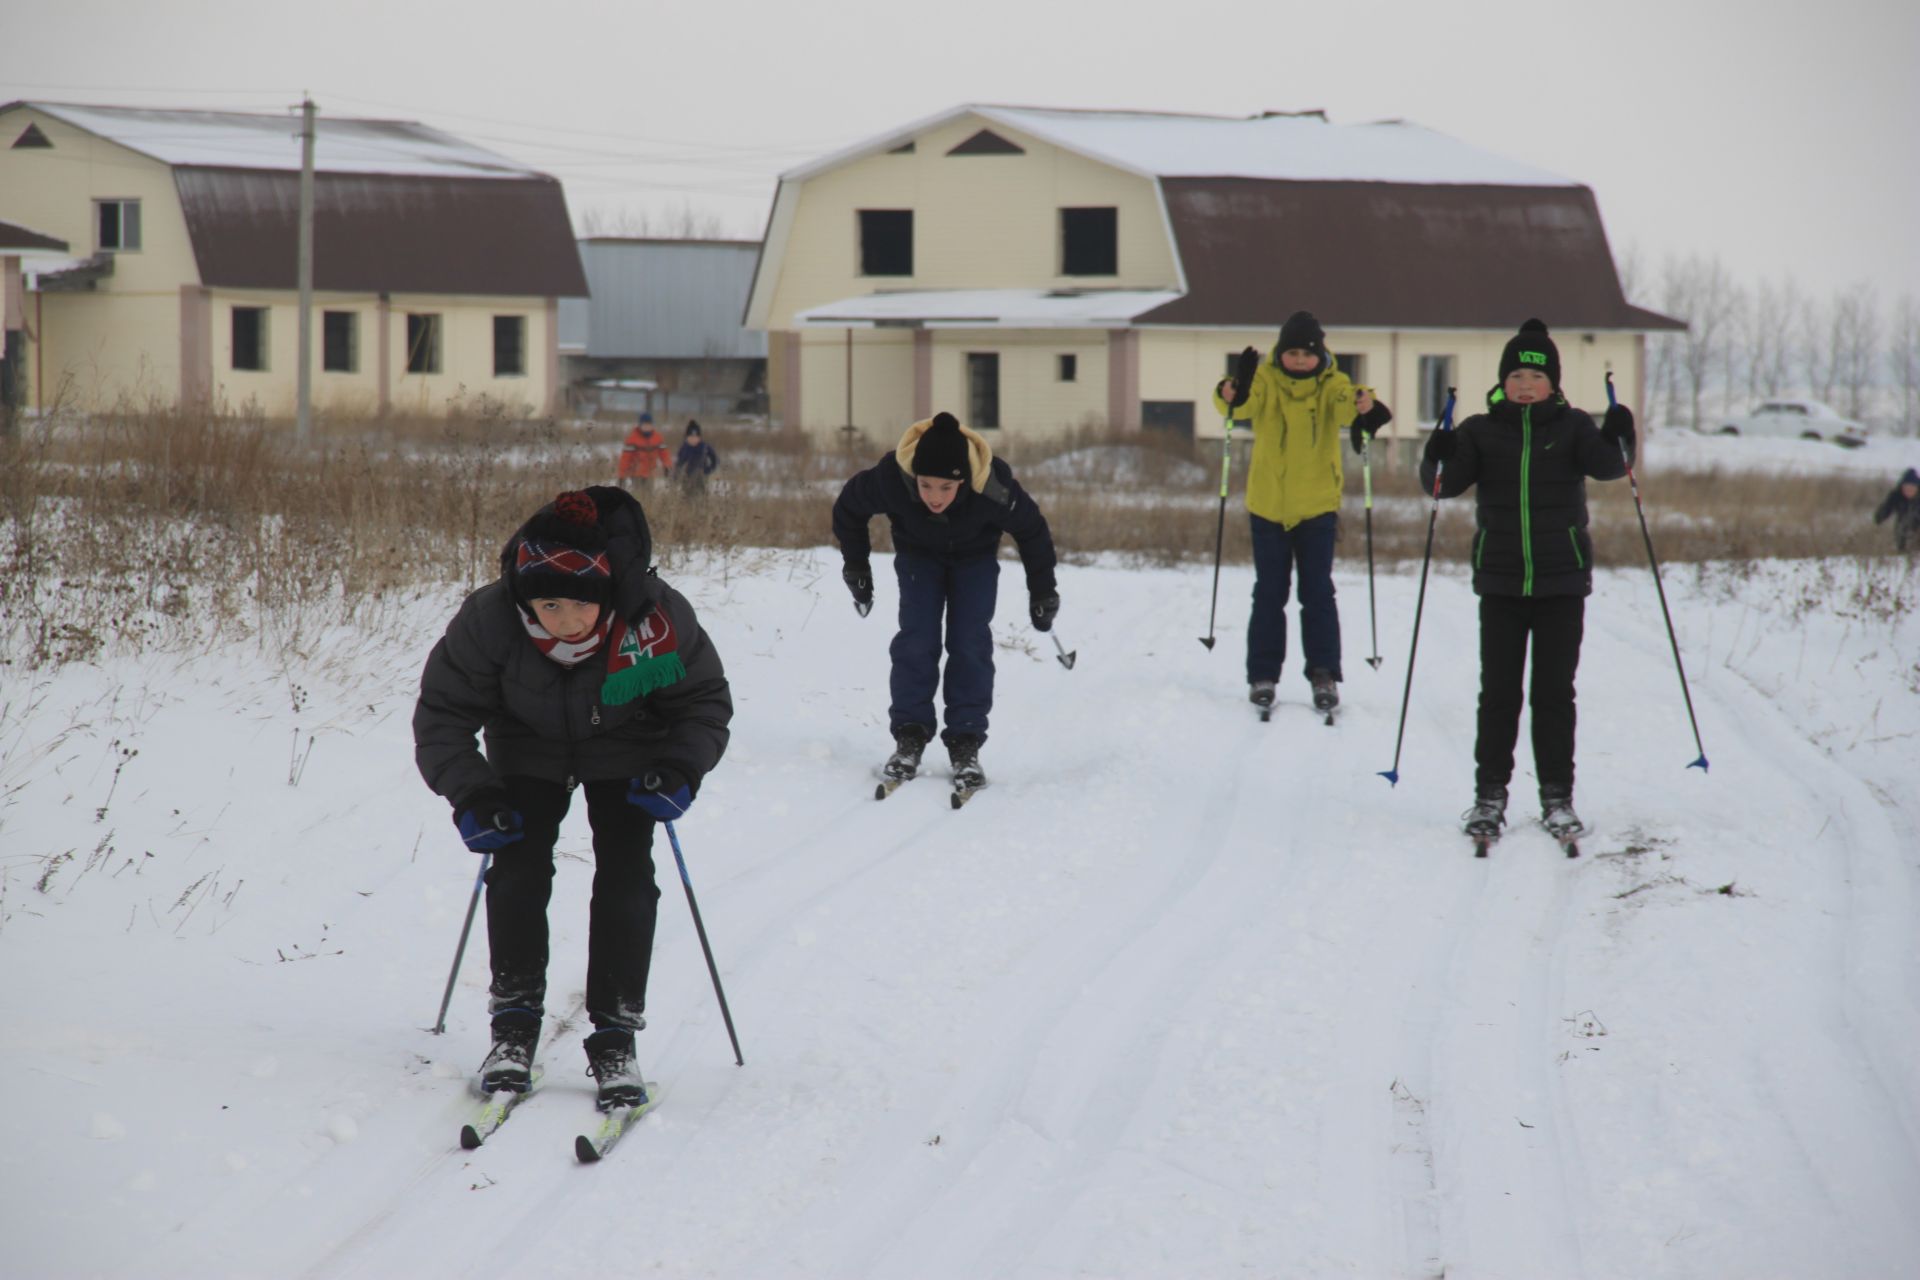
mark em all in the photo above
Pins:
pixel 620 921
pixel 1555 624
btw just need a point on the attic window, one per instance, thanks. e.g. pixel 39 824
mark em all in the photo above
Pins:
pixel 1090 242
pixel 32 138
pixel 886 242
pixel 987 143
pixel 904 149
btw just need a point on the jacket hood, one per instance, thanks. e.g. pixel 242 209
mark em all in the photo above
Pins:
pixel 979 452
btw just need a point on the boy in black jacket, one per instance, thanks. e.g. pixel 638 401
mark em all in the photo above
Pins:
pixel 1902 504
pixel 1531 455
pixel 578 666
pixel 948 500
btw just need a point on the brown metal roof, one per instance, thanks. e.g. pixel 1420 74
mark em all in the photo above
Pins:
pixel 15 236
pixel 383 233
pixel 1393 255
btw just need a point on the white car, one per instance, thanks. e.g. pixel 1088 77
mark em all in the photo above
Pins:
pixel 1797 420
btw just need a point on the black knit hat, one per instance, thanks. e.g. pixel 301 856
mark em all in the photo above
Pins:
pixel 1531 348
pixel 942 451
pixel 1303 332
pixel 561 553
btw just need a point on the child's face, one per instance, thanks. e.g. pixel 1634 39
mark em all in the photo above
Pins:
pixel 1298 360
pixel 1527 386
pixel 1910 491
pixel 567 619
pixel 938 494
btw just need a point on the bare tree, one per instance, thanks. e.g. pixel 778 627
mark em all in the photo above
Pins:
pixel 1903 352
pixel 1817 350
pixel 1856 348
pixel 683 222
pixel 1708 292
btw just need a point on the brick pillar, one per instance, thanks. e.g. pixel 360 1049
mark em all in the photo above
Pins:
pixel 1123 379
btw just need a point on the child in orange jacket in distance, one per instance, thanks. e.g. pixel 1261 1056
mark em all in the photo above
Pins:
pixel 644 454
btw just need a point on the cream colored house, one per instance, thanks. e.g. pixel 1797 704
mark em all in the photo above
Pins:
pixel 438 266
pixel 1035 270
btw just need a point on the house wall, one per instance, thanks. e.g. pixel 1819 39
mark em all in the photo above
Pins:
pixel 980 222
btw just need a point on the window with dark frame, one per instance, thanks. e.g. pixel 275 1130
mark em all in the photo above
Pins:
pixel 509 346
pixel 250 339
pixel 1174 417
pixel 118 224
pixel 1089 242
pixel 983 389
pixel 339 342
pixel 1436 375
pixel 423 343
pixel 1069 368
pixel 886 242
pixel 1353 364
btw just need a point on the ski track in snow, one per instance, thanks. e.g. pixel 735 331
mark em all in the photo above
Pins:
pixel 1180 993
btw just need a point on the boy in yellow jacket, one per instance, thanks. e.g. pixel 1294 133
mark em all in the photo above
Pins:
pixel 1299 405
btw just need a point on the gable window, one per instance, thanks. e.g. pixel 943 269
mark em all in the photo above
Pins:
pixel 1089 242
pixel 509 346
pixel 250 339
pixel 1436 375
pixel 1069 368
pixel 987 143
pixel 983 389
pixel 886 242
pixel 118 224
pixel 33 138
pixel 423 343
pixel 339 342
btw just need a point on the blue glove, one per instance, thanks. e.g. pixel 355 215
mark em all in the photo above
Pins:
pixel 662 793
pixel 488 822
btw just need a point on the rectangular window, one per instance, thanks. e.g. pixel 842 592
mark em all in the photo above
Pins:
pixel 250 339
pixel 1436 375
pixel 1172 416
pixel 886 242
pixel 1069 368
pixel 983 389
pixel 1353 364
pixel 339 342
pixel 423 343
pixel 1089 242
pixel 118 222
pixel 509 346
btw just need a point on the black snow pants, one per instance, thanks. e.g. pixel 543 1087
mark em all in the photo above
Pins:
pixel 1554 624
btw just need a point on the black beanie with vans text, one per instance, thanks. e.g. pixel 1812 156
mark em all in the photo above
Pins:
pixel 1531 348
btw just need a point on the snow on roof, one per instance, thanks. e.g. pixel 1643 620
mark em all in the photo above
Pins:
pixel 236 140
pixel 991 308
pixel 1301 148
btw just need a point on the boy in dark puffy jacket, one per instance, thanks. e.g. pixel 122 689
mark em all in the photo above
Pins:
pixel 1902 505
pixel 578 667
pixel 1530 456
pixel 948 500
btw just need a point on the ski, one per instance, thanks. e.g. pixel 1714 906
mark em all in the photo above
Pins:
pixel 590 1148
pixel 1569 841
pixel 888 786
pixel 963 792
pixel 1266 713
pixel 492 1112
pixel 1482 845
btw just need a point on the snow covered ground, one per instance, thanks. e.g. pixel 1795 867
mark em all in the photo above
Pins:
pixel 1180 995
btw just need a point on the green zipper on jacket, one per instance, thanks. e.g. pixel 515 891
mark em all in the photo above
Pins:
pixel 1479 548
pixel 1526 497
pixel 1573 536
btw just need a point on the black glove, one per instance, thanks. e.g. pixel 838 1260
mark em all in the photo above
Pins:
pixel 487 822
pixel 1245 366
pixel 1617 430
pixel 1043 607
pixel 859 580
pixel 1440 446
pixel 1367 425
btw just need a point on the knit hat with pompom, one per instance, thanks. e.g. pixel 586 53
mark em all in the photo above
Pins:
pixel 1531 348
pixel 562 553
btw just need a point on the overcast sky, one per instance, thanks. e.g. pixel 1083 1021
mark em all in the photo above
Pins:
pixel 1786 145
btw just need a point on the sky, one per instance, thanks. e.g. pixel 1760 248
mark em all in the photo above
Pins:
pixel 1780 141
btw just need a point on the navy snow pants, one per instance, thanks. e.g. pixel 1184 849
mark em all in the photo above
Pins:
pixel 961 596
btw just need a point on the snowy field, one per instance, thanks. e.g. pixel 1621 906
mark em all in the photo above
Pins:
pixel 1179 995
pixel 1682 450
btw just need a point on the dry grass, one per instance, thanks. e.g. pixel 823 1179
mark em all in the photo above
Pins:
pixel 153 527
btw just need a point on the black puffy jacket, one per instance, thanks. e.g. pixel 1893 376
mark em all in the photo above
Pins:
pixel 544 720
pixel 1531 464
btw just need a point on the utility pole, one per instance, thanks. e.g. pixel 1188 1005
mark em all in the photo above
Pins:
pixel 303 393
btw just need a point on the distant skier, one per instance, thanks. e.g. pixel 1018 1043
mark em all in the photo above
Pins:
pixel 1530 454
pixel 696 459
pixel 1300 404
pixel 643 454
pixel 948 500
pixel 1902 504
pixel 578 666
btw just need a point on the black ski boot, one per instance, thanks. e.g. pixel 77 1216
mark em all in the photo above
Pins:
pixel 610 1061
pixel 1326 690
pixel 963 751
pixel 909 741
pixel 509 1064
pixel 1557 815
pixel 1484 821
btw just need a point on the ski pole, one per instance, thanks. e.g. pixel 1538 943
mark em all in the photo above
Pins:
pixel 699 927
pixel 1373 613
pixel 473 904
pixel 1445 424
pixel 1220 529
pixel 1700 761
